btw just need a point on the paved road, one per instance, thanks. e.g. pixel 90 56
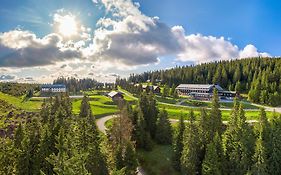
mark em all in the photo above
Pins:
pixel 101 126
pixel 101 122
pixel 179 104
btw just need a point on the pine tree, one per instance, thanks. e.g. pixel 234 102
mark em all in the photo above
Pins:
pixel 45 150
pixel 88 141
pixel 27 161
pixel 178 145
pixel 149 109
pixel 215 116
pixel 130 159
pixel 8 156
pixel 164 129
pixel 190 163
pixel 172 90
pixel 238 142
pixel 19 136
pixel 85 108
pixel 238 87
pixel 212 164
pixel 260 158
pixel 166 91
pixel 275 152
pixel 67 161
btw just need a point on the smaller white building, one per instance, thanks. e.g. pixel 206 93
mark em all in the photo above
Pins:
pixel 54 88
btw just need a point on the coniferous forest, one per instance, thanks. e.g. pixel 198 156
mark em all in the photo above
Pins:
pixel 55 141
pixel 260 78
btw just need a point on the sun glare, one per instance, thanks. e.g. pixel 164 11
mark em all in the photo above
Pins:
pixel 68 26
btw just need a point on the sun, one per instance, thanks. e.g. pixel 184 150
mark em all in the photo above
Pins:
pixel 68 26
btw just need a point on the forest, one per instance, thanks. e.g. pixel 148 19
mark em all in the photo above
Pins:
pixel 260 78
pixel 75 85
pixel 55 141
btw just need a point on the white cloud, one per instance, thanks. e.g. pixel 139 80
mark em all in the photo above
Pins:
pixel 132 38
pixel 23 49
pixel 251 51
pixel 124 39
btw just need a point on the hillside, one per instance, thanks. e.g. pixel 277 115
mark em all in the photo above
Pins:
pixel 260 78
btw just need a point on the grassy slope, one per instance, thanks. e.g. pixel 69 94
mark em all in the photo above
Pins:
pixel 19 103
pixel 100 105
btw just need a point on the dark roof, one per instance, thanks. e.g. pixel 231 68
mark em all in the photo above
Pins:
pixel 53 86
pixel 199 86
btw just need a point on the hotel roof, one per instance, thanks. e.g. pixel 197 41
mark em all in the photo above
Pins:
pixel 198 86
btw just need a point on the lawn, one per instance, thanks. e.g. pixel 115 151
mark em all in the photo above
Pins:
pixel 100 105
pixel 227 105
pixel 175 112
pixel 158 161
pixel 20 103
pixel 166 100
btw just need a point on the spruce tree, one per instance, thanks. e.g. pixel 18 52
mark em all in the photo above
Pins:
pixel 27 160
pixel 215 116
pixel 8 156
pixel 212 164
pixel 85 108
pixel 178 145
pixel 149 109
pixel 275 151
pixel 260 163
pixel 130 159
pixel 164 129
pixel 19 136
pixel 239 143
pixel 190 163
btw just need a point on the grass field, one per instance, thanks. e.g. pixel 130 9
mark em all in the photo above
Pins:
pixel 20 103
pixel 175 112
pixel 167 100
pixel 157 161
pixel 100 105
pixel 227 105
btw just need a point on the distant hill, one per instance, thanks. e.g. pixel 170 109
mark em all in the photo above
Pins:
pixel 259 77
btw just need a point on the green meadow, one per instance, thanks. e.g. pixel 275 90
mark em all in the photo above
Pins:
pixel 20 103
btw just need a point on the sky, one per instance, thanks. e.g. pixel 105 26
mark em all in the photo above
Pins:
pixel 41 40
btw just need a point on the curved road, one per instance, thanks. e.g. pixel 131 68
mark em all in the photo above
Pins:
pixel 101 126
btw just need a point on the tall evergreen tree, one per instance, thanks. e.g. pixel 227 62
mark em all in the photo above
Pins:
pixel 212 164
pixel 239 143
pixel 178 145
pixel 130 159
pixel 275 152
pixel 164 130
pixel 260 158
pixel 215 116
pixel 19 136
pixel 190 163
pixel 27 161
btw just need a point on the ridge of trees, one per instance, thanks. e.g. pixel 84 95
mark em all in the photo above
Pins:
pixel 259 77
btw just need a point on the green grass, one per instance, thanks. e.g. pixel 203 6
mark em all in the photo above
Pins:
pixel 109 123
pixel 20 103
pixel 129 98
pixel 175 112
pixel 100 105
pixel 157 161
pixel 166 100
pixel 227 105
